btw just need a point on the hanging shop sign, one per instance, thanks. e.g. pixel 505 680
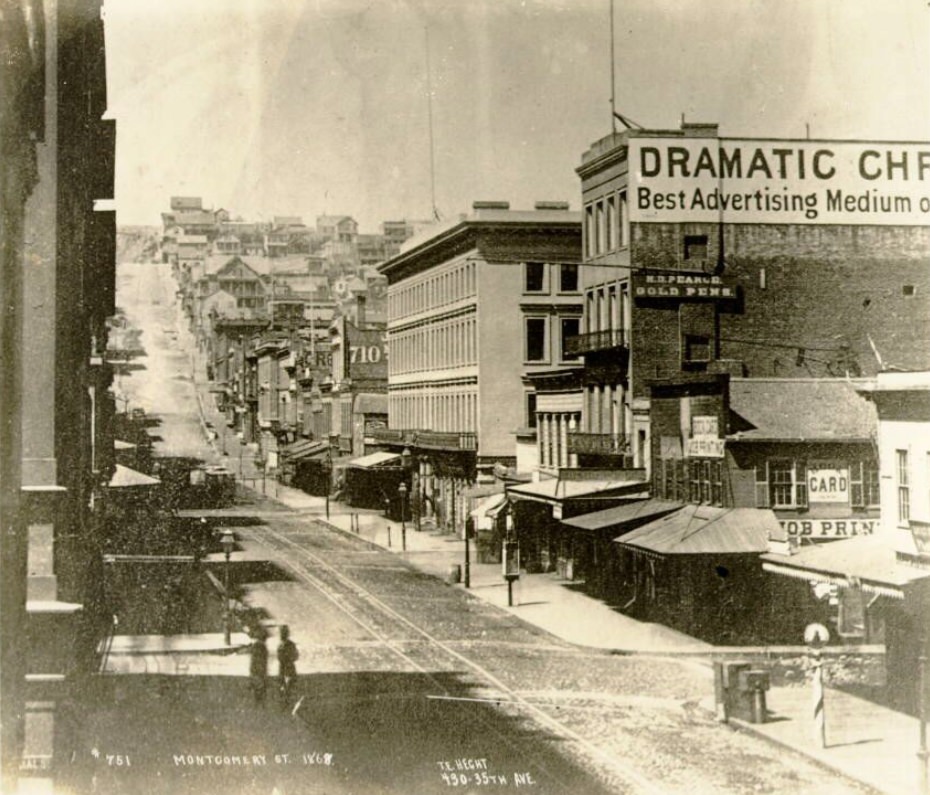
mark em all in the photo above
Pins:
pixel 755 181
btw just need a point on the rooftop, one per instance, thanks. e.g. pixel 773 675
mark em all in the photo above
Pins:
pixel 802 409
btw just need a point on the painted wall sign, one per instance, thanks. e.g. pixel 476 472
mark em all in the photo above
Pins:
pixel 755 181
pixel 705 447
pixel 827 483
pixel 704 441
pixel 828 528
pixel 681 285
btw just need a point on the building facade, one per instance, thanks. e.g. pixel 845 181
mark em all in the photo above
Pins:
pixel 472 309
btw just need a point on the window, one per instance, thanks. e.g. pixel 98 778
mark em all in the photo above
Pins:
pixel 568 278
pixel 623 221
pixel 536 339
pixel 863 484
pixel 786 484
pixel 534 277
pixel 599 228
pixel 611 223
pixel 781 483
pixel 696 348
pixel 904 492
pixel 570 328
pixel 695 247
pixel 530 409
pixel 589 231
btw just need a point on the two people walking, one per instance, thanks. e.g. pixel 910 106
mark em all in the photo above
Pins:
pixel 287 666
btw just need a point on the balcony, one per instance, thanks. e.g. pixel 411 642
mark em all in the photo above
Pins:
pixel 453 440
pixel 598 444
pixel 596 341
pixel 389 436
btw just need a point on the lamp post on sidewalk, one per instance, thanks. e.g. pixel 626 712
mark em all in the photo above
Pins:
pixel 329 476
pixel 402 491
pixel 228 541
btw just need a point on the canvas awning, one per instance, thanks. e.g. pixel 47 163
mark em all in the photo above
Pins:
pixel 119 444
pixel 124 478
pixel 495 503
pixel 304 449
pixel 556 490
pixel 374 460
pixel 635 512
pixel 704 530
pixel 869 561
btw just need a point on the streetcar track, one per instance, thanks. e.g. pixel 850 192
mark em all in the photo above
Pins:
pixel 622 770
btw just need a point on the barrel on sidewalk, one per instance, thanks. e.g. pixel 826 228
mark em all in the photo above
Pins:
pixel 455 574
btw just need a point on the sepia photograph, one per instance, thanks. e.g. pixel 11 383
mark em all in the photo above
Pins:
pixel 410 397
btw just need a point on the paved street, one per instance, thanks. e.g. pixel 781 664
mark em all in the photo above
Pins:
pixel 406 685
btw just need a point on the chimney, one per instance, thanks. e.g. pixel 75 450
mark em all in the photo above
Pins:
pixel 490 205
pixel 550 206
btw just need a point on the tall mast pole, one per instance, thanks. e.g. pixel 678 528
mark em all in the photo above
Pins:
pixel 613 82
pixel 429 105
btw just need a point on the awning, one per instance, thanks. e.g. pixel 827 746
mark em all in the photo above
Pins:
pixel 371 403
pixel 304 449
pixel 491 506
pixel 374 460
pixel 483 490
pixel 556 490
pixel 119 444
pixel 870 561
pixel 705 530
pixel 616 518
pixel 124 478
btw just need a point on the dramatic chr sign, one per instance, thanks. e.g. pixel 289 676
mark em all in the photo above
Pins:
pixel 779 182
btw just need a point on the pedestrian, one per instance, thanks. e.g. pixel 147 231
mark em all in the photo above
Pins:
pixel 287 664
pixel 258 666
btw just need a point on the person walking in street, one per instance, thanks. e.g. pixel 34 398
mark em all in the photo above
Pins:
pixel 287 665
pixel 258 666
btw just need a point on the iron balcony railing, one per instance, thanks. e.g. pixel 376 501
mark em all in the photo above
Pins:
pixel 427 440
pixel 388 436
pixel 596 341
pixel 454 440
pixel 598 444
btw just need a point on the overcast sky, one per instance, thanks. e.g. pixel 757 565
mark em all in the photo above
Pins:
pixel 304 107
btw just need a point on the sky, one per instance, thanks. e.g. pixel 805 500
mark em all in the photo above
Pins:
pixel 310 107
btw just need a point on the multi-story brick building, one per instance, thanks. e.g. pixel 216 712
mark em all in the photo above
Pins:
pixel 738 279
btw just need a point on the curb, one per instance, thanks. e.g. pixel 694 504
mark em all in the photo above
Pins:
pixel 738 724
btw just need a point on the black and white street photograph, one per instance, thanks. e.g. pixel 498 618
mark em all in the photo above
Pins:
pixel 419 397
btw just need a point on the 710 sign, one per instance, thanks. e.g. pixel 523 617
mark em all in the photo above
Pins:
pixel 365 354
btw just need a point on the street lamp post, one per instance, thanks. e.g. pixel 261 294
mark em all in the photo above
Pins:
pixel 228 541
pixel 329 477
pixel 402 490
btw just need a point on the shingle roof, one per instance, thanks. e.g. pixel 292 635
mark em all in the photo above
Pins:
pixel 705 530
pixel 782 409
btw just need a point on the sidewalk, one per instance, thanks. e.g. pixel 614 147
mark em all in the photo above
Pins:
pixel 866 742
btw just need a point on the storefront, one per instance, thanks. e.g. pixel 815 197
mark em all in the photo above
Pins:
pixel 597 560
pixel 306 465
pixel 373 481
pixel 539 510
pixel 698 570
pixel 873 593
pixel 490 518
